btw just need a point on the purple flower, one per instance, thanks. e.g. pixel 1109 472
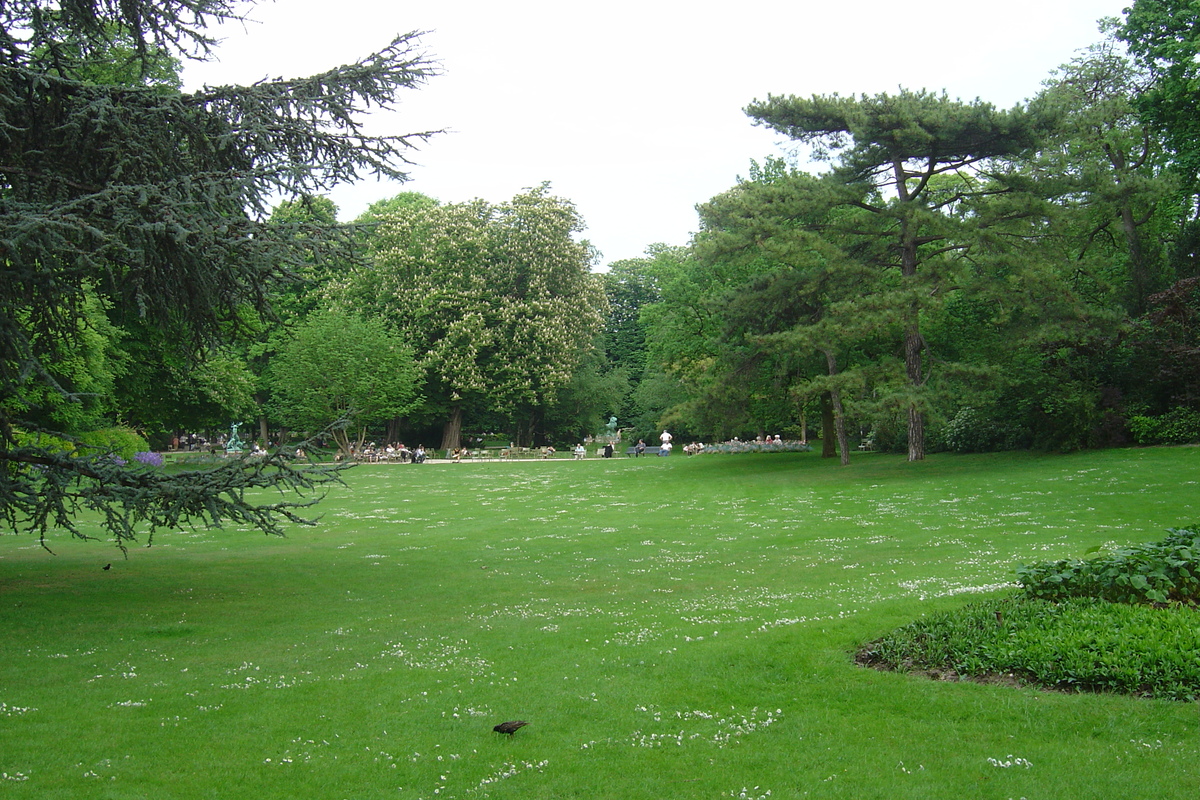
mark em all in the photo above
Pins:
pixel 150 459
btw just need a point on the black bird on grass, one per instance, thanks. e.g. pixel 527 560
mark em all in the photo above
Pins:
pixel 107 566
pixel 510 727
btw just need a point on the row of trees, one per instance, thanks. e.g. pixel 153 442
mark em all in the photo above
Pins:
pixel 960 276
pixel 146 285
pixel 474 311
pixel 442 313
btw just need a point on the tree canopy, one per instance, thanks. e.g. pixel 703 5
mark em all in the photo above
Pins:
pixel 497 301
pixel 343 371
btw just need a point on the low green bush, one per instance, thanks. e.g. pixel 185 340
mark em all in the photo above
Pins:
pixel 1079 644
pixel 1177 426
pixel 1160 572
pixel 120 441
pixel 972 431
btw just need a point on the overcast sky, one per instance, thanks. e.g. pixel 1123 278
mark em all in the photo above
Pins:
pixel 633 110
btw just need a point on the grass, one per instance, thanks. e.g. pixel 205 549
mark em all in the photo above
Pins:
pixel 669 628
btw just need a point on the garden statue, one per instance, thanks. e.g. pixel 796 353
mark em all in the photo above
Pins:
pixel 235 444
pixel 613 434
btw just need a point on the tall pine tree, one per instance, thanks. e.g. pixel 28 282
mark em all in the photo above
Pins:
pixel 894 151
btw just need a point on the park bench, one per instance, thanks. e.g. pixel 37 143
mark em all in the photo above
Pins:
pixel 650 451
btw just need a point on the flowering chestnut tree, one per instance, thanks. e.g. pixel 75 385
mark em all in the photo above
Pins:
pixel 497 301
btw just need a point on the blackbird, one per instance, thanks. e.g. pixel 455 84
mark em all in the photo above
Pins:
pixel 107 566
pixel 510 727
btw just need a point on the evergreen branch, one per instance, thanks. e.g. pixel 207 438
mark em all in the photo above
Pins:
pixel 41 490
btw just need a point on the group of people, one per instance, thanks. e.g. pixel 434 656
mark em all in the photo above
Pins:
pixel 605 451
pixel 733 445
pixel 398 452
pixel 392 452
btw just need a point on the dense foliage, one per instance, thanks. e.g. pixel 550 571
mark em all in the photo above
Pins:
pixel 1167 571
pixel 959 277
pixel 342 371
pixel 496 300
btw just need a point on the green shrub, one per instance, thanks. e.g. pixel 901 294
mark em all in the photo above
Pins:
pixel 121 441
pixel 972 431
pixel 1178 426
pixel 26 439
pixel 1081 644
pixel 1160 572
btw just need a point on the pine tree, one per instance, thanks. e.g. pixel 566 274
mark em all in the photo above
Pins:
pixel 896 152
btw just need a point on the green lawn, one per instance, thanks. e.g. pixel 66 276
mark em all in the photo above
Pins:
pixel 669 628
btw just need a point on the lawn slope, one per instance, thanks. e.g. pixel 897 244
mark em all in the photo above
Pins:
pixel 669 627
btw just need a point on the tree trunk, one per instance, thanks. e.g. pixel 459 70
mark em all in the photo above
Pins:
pixel 835 398
pixel 843 441
pixel 828 426
pixel 350 440
pixel 525 432
pixel 914 343
pixel 262 429
pixel 393 430
pixel 1139 272
pixel 452 432
pixel 527 424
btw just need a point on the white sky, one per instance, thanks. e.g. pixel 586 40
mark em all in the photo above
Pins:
pixel 633 110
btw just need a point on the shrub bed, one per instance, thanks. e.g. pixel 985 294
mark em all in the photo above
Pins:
pixel 1078 644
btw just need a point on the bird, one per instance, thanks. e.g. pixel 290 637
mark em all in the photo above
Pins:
pixel 510 727
pixel 107 566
